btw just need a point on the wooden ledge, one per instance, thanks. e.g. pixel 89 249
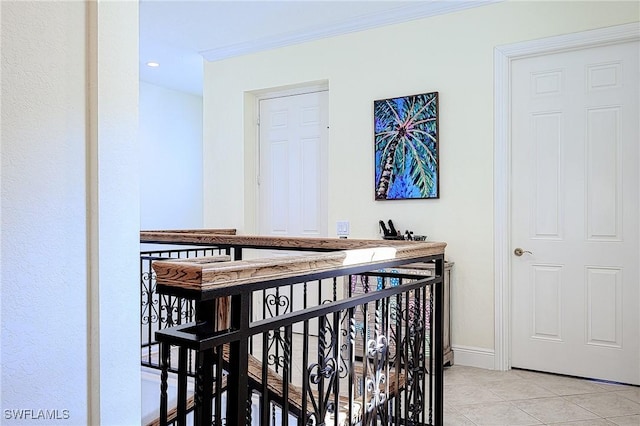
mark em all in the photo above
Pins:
pixel 201 275
pixel 221 231
pixel 212 237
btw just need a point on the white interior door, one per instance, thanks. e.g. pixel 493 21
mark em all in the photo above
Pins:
pixel 293 165
pixel 575 297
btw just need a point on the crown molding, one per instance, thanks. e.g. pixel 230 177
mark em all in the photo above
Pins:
pixel 414 11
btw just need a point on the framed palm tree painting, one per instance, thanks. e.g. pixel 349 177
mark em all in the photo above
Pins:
pixel 406 147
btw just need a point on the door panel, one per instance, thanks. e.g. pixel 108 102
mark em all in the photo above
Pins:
pixel 575 190
pixel 547 302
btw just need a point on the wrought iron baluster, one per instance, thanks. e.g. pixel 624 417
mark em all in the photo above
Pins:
pixel 406 359
pixel 286 375
pixel 335 336
pixel 305 372
pixel 335 289
pixel 264 402
pixel 248 414
pixel 432 363
pixel 181 417
pixel 164 375
pixel 277 334
pixel 363 355
pixel 438 322
pixel 398 355
pixel 351 377
pixel 322 344
pixel 219 372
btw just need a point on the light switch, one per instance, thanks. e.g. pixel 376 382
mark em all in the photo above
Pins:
pixel 342 228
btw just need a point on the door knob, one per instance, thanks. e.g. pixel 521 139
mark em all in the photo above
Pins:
pixel 519 252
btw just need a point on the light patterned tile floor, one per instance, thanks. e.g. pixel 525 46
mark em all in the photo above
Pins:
pixel 474 396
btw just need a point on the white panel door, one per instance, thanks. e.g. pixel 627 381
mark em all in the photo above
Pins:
pixel 293 165
pixel 575 297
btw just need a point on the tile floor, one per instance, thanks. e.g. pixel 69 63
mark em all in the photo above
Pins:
pixel 475 396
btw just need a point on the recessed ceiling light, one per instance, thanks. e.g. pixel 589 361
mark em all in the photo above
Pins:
pixel 153 64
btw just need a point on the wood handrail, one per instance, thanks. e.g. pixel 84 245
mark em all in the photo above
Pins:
pixel 201 275
pixel 212 237
pixel 220 231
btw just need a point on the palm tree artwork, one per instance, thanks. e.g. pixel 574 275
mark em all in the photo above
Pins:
pixel 406 147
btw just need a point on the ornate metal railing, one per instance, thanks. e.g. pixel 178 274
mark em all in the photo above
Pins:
pixel 323 339
pixel 163 311
pixel 158 312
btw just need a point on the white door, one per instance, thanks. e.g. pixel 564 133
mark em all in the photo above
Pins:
pixel 575 297
pixel 293 165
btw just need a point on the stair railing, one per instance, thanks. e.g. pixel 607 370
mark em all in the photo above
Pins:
pixel 264 354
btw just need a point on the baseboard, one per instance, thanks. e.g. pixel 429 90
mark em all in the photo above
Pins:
pixel 473 357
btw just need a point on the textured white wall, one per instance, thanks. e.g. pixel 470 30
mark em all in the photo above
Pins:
pixel 170 158
pixel 452 54
pixel 69 218
pixel 44 223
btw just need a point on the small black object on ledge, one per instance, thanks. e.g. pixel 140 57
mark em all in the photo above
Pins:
pixel 391 233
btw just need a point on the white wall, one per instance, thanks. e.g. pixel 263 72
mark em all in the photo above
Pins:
pixel 452 54
pixel 170 159
pixel 70 216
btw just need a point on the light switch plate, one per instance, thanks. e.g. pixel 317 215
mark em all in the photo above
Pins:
pixel 342 228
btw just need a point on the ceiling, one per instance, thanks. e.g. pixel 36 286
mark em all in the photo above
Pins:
pixel 181 34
